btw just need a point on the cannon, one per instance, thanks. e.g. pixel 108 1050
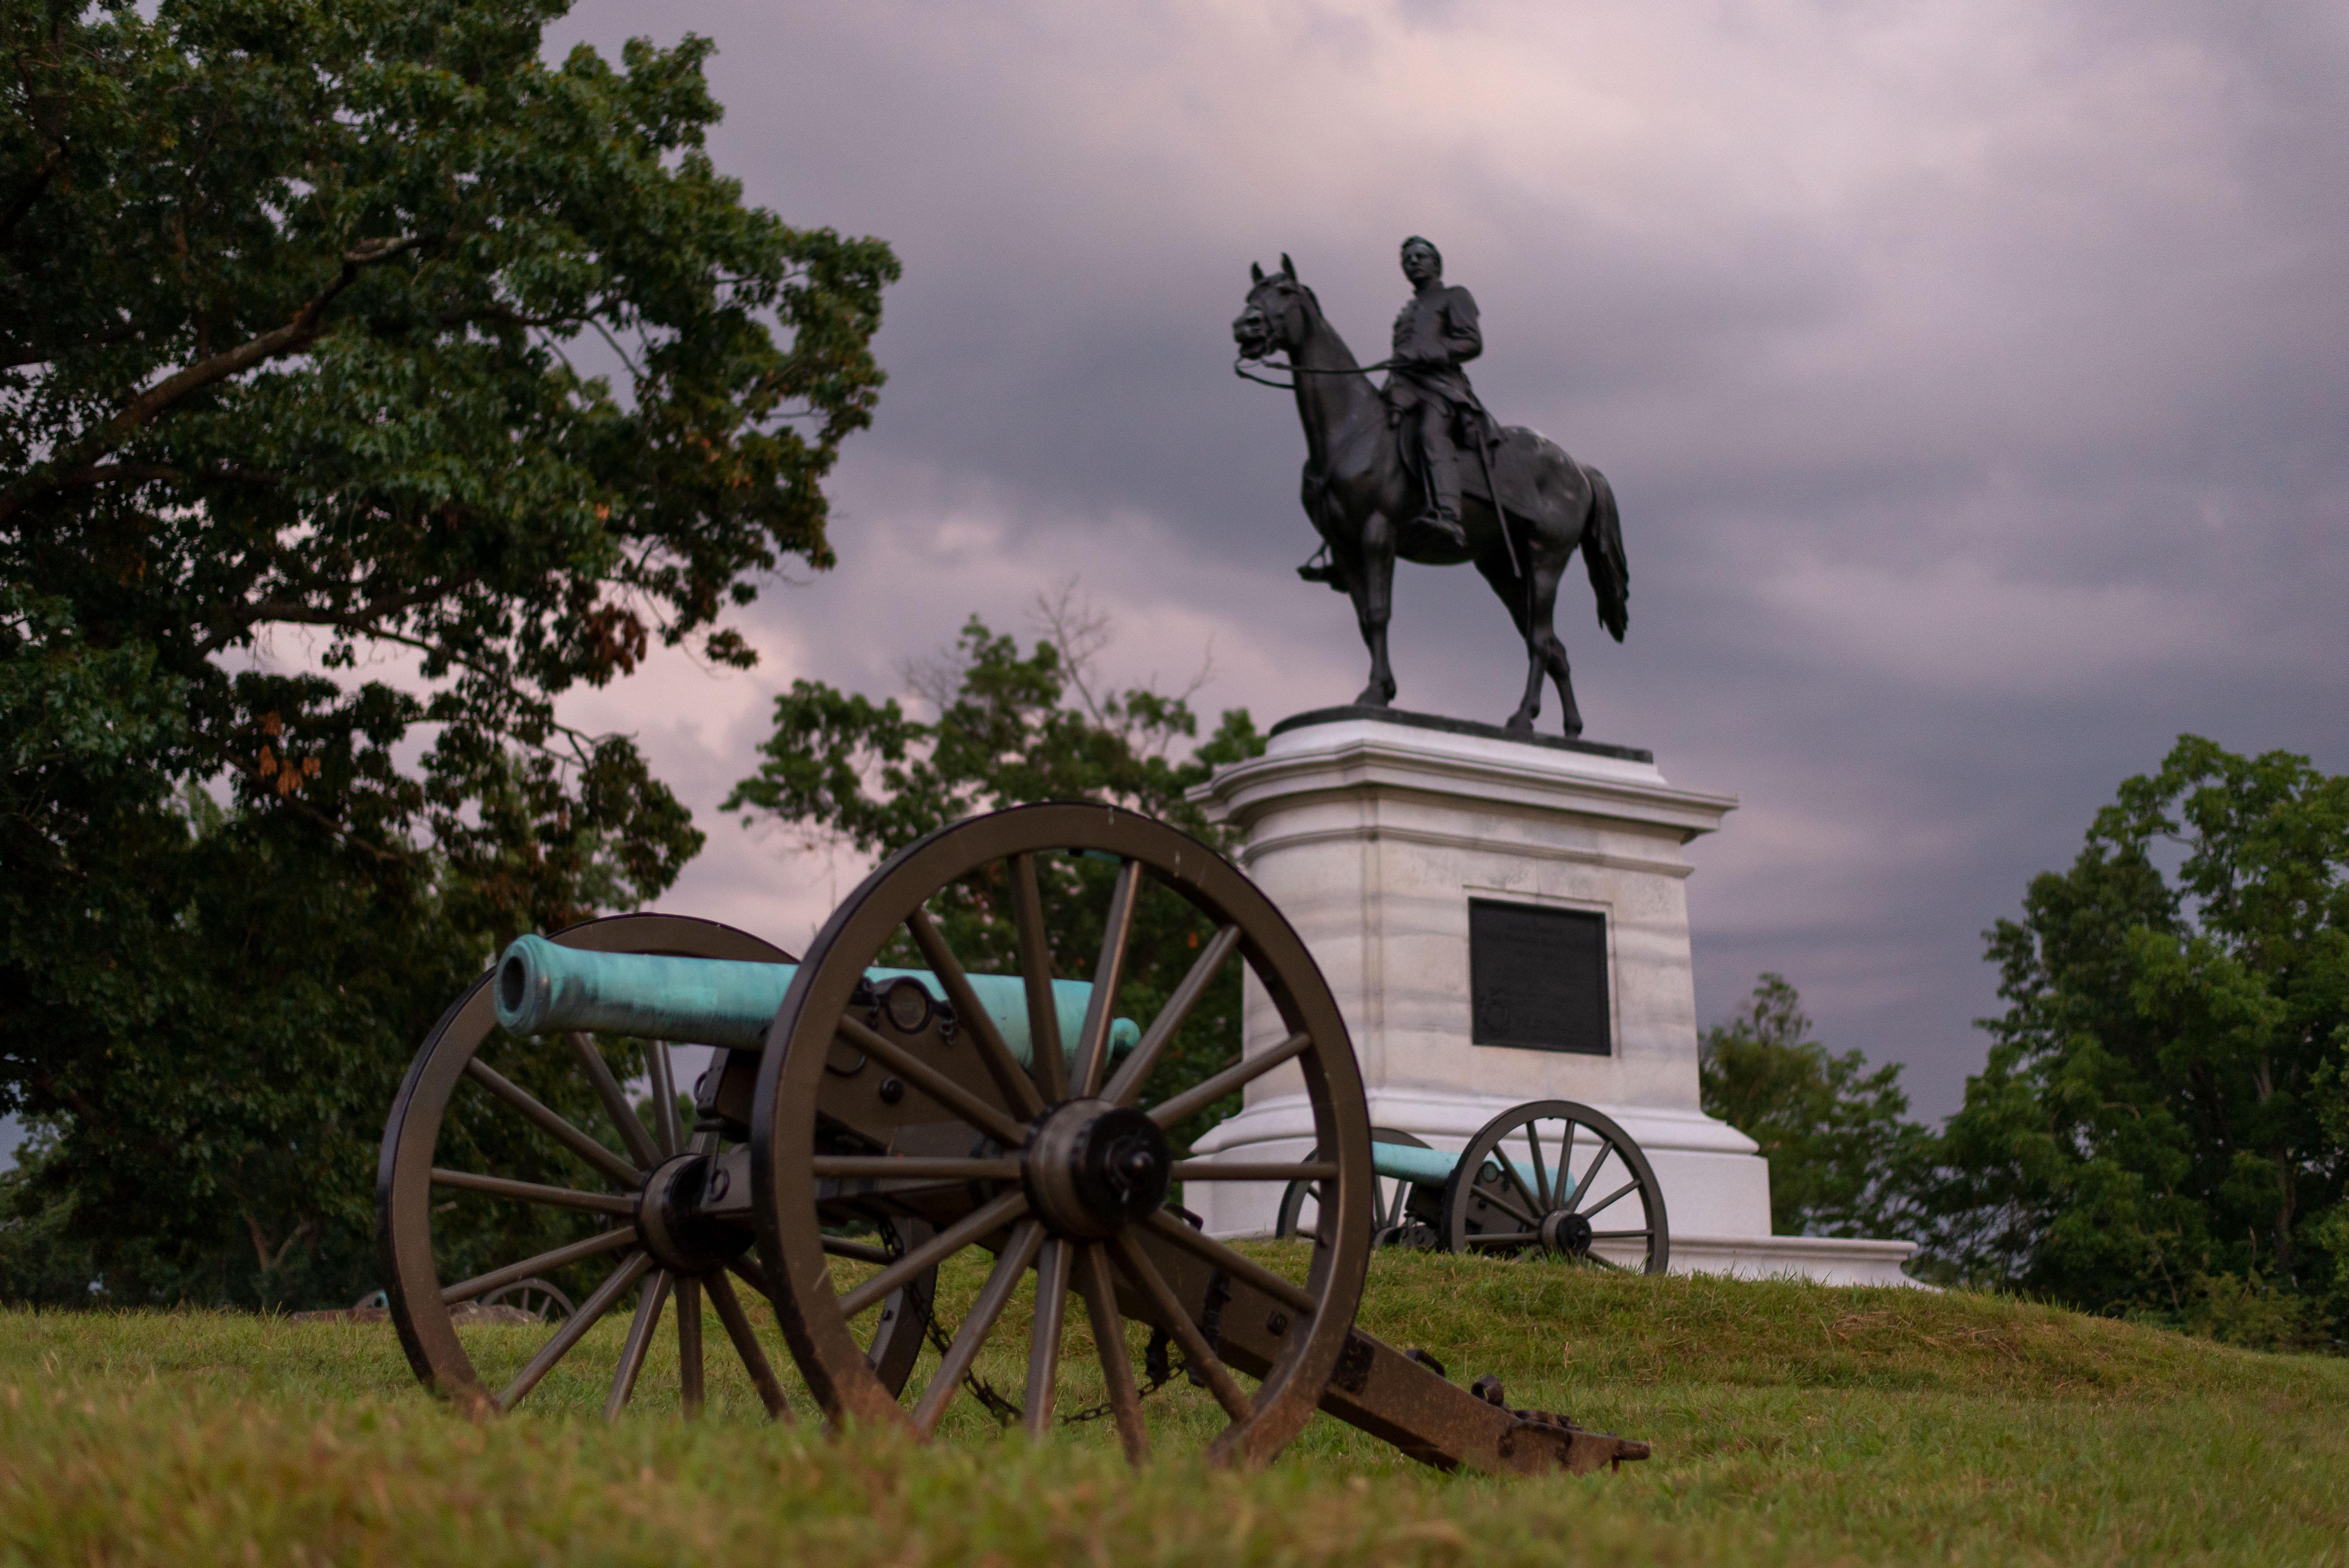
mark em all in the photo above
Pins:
pixel 879 1107
pixel 1514 1191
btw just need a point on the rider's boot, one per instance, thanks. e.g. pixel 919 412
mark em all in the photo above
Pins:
pixel 1442 514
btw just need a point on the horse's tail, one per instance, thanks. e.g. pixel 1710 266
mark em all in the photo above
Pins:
pixel 1602 556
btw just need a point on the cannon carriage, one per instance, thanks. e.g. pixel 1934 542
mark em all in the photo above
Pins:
pixel 869 1124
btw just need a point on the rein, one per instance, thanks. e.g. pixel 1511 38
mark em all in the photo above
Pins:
pixel 1239 369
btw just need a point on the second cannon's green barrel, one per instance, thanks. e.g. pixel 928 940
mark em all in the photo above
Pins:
pixel 545 988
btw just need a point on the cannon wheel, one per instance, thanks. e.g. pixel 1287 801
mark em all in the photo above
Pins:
pixel 542 1299
pixel 1517 1189
pixel 1074 1191
pixel 614 1163
pixel 1386 1219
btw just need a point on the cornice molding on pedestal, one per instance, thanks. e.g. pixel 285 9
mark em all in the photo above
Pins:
pixel 1352 755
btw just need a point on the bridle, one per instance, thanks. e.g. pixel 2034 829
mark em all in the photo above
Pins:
pixel 1239 369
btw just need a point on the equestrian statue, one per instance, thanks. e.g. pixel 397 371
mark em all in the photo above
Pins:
pixel 1417 468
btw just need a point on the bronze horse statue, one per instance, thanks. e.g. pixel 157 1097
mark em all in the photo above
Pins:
pixel 1365 501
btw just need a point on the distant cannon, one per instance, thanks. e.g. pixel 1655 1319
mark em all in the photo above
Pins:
pixel 1515 1190
pixel 861 1125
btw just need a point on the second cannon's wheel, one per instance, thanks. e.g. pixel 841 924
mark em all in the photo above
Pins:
pixel 539 1298
pixel 1392 1223
pixel 1049 1167
pixel 1552 1176
pixel 510 1162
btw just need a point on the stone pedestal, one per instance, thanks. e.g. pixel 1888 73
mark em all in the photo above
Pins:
pixel 1373 832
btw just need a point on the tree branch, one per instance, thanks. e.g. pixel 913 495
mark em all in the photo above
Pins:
pixel 144 409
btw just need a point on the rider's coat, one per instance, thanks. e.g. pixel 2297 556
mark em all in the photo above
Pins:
pixel 1435 334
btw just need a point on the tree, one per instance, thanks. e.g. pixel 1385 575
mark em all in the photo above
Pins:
pixel 1012 729
pixel 2163 1126
pixel 306 307
pixel 1844 1159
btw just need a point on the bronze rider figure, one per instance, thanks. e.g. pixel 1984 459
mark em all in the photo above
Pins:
pixel 1427 394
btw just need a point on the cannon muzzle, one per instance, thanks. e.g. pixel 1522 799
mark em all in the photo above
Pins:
pixel 543 988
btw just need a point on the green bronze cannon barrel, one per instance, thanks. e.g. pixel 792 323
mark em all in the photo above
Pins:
pixel 1434 1166
pixel 543 988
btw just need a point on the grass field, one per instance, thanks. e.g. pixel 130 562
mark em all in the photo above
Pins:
pixel 1791 1424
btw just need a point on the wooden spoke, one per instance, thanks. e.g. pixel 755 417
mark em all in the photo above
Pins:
pixel 640 1339
pixel 1044 1335
pixel 746 1345
pixel 1620 1235
pixel 538 1115
pixel 1583 1186
pixel 977 1325
pixel 980 1222
pixel 1108 1341
pixel 533 1193
pixel 615 1285
pixel 1631 1186
pixel 1509 1172
pixel 907 1168
pixel 1254 1171
pixel 1566 1187
pixel 1018 1089
pixel 1249 1270
pixel 610 1241
pixel 1400 1203
pixel 664 1076
pixel 1166 1113
pixel 1541 1171
pixel 1126 1087
pixel 624 1121
pixel 1171 1311
pixel 1109 968
pixel 933 1083
pixel 746 1269
pixel 1507 1205
pixel 688 1345
pixel 1036 969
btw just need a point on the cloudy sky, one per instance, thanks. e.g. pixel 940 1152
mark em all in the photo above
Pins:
pixel 1971 374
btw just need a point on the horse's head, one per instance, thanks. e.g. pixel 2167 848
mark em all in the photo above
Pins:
pixel 1278 315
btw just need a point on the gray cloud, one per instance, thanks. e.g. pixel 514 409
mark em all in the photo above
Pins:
pixel 1972 376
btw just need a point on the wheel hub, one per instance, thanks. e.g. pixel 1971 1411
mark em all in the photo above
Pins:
pixel 1566 1233
pixel 1093 1168
pixel 675 1232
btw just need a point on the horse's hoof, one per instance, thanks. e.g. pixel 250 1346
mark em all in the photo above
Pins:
pixel 1519 724
pixel 1373 698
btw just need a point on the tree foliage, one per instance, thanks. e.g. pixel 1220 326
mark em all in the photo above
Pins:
pixel 1013 729
pixel 339 334
pixel 2163 1126
pixel 1845 1159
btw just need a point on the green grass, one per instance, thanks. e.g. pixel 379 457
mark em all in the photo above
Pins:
pixel 1791 1424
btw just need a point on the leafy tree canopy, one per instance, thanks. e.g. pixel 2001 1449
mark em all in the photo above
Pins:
pixel 1012 729
pixel 2163 1126
pixel 306 308
pixel 1845 1159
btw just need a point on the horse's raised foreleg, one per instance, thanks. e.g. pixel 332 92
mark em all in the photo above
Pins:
pixel 1374 591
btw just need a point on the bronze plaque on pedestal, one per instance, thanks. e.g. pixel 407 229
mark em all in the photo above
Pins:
pixel 1537 978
